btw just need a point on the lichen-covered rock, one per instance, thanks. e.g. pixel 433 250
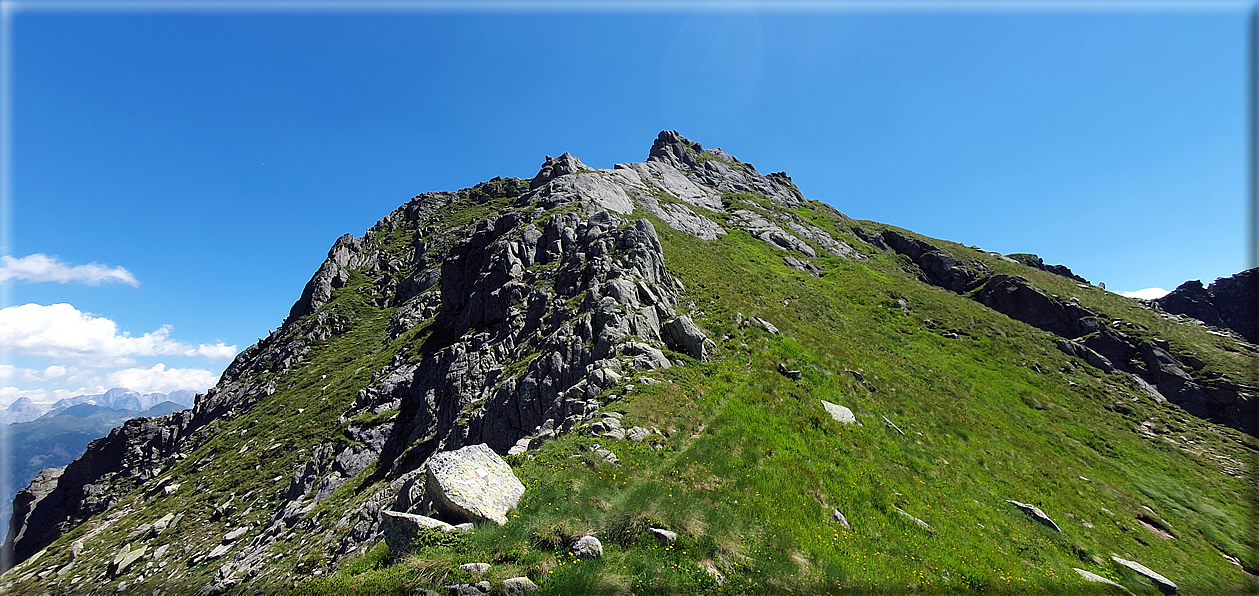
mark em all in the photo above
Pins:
pixel 473 484
pixel 475 568
pixel 519 585
pixel 588 547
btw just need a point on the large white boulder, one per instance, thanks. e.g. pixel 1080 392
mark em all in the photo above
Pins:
pixel 473 484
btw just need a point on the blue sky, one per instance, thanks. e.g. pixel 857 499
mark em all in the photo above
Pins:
pixel 216 156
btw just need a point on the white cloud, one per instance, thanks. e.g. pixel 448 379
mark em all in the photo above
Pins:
pixel 8 372
pixel 38 268
pixel 62 332
pixel 1147 294
pixel 162 379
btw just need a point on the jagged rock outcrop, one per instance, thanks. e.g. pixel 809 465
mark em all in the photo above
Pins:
pixel 132 453
pixel 27 500
pixel 1018 299
pixel 1035 262
pixel 938 267
pixel 1228 303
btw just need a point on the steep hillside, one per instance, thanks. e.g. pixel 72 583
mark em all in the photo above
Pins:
pixel 732 387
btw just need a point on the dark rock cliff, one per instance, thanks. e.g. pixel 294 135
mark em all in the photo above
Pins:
pixel 1228 303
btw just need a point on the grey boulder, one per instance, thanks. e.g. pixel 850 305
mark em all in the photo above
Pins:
pixel 519 585
pixel 684 335
pixel 400 529
pixel 473 484
pixel 664 536
pixel 588 547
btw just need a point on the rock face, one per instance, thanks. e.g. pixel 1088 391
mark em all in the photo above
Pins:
pixel 1228 303
pixel 473 484
pixel 27 500
pixel 1036 262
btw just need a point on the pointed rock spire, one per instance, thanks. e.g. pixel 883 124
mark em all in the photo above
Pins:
pixel 554 167
pixel 673 147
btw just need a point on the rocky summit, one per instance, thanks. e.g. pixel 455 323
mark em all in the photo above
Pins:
pixel 671 376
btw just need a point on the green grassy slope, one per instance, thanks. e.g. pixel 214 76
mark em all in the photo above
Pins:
pixel 748 457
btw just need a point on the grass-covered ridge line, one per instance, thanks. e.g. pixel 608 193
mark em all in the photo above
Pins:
pixel 752 465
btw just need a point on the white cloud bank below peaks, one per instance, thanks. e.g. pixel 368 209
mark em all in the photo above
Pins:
pixel 65 334
pixel 38 268
pixel 1147 294
pixel 162 379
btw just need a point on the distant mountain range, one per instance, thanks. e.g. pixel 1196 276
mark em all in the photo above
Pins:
pixel 118 398
pixel 53 436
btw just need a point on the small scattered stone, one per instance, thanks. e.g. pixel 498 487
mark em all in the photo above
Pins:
pixel 475 568
pixel 1093 577
pixel 521 446
pixel 840 413
pixel 1164 585
pixel 124 558
pixel 234 534
pixel 839 517
pixel 519 585
pixel 714 572
pixel 1036 514
pixel 637 434
pixel 161 524
pixel 920 523
pixel 142 530
pixel 664 536
pixel 588 547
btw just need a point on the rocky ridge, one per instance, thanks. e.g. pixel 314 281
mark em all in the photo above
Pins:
pixel 506 329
